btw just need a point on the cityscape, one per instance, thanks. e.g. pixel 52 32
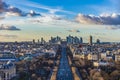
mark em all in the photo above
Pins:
pixel 59 40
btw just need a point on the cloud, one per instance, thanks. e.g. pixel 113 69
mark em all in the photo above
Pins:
pixel 3 6
pixel 46 18
pixel 12 14
pixel 107 19
pixel 13 11
pixel 6 27
pixel 8 36
pixel 108 6
pixel 9 10
pixel 18 12
pixel 115 27
pixel 49 9
pixel 33 13
pixel 74 30
pixel 1 17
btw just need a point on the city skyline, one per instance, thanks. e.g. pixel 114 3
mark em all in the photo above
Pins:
pixel 33 19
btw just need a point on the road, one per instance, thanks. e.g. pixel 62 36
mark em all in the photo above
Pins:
pixel 64 71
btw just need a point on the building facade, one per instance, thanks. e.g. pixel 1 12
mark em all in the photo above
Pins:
pixel 7 70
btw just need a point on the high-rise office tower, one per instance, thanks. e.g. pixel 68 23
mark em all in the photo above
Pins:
pixel 33 41
pixel 76 40
pixel 81 40
pixel 90 40
pixel 38 41
pixel 69 39
pixel 98 41
pixel 42 40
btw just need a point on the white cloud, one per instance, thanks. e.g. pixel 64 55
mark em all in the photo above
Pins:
pixel 49 9
pixel 9 10
pixel 115 27
pixel 33 13
pixel 45 18
pixel 1 17
pixel 3 6
pixel 107 19
pixel 73 30
pixel 13 11
pixel 6 27
pixel 8 36
pixel 12 14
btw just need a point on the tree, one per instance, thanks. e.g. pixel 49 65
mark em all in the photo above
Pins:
pixel 104 75
pixel 115 75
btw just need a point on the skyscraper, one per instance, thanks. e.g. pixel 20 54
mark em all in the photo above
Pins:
pixel 98 41
pixel 76 40
pixel 33 41
pixel 38 41
pixel 42 40
pixel 69 39
pixel 81 40
pixel 90 40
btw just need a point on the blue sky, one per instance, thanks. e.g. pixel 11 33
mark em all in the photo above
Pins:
pixel 95 7
pixel 46 18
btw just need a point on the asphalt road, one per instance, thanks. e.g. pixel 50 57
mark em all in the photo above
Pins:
pixel 64 71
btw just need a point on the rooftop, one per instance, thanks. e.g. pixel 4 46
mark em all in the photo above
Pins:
pixel 7 56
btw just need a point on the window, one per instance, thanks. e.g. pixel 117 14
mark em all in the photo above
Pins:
pixel 4 75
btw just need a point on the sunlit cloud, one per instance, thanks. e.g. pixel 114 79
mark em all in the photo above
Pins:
pixel 1 17
pixel 10 10
pixel 8 27
pixel 8 36
pixel 113 27
pixel 108 19
pixel 49 9
pixel 74 30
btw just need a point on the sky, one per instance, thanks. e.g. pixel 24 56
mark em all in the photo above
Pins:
pixel 26 20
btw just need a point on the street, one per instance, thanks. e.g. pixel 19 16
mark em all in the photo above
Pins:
pixel 64 71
